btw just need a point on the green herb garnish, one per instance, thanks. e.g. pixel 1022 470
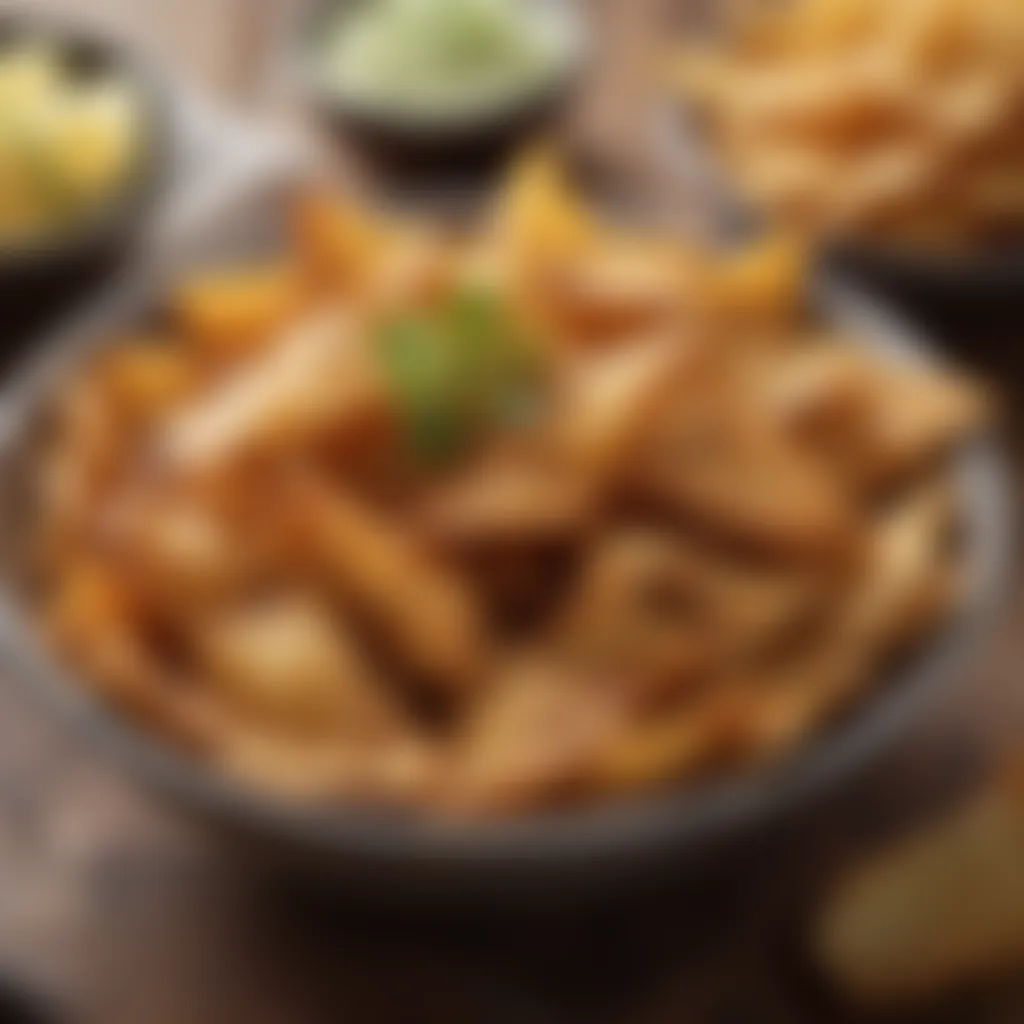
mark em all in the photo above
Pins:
pixel 459 371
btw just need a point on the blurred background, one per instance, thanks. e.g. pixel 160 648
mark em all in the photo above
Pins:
pixel 113 909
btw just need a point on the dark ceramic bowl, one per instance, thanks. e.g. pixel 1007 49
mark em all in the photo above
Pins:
pixel 461 144
pixel 42 274
pixel 959 288
pixel 554 859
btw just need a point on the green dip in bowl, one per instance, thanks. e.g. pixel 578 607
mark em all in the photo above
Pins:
pixel 441 77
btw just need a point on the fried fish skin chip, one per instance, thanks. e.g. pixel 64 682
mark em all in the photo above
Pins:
pixel 621 288
pixel 145 378
pixel 399 771
pixel 766 281
pixel 874 425
pixel 135 680
pixel 423 606
pixel 317 376
pixel 521 498
pixel 532 738
pixel 538 216
pixel 610 404
pixel 335 240
pixel 637 618
pixel 733 472
pixel 95 618
pixel 287 658
pixel 228 311
pixel 92 598
pixel 901 590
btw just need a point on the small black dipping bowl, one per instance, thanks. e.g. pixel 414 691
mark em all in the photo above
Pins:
pixel 460 145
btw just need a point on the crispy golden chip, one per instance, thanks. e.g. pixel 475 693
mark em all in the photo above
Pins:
pixel 509 500
pixel 318 376
pixel 335 240
pixel 612 400
pixel 145 379
pixel 533 737
pixel 717 462
pixel 287 659
pixel 392 772
pixel 423 607
pixel 227 311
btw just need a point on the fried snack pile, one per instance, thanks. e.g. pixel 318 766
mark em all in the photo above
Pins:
pixel 900 122
pixel 493 522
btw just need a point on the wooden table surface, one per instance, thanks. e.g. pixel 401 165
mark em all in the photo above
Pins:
pixel 113 909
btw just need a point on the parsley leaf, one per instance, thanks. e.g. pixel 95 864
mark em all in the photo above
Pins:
pixel 459 371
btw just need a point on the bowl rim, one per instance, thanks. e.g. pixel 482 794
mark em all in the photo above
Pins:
pixel 301 68
pixel 121 210
pixel 675 819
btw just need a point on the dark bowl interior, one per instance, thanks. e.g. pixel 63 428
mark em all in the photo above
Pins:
pixel 555 857
pixel 404 146
pixel 42 275
pixel 958 287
